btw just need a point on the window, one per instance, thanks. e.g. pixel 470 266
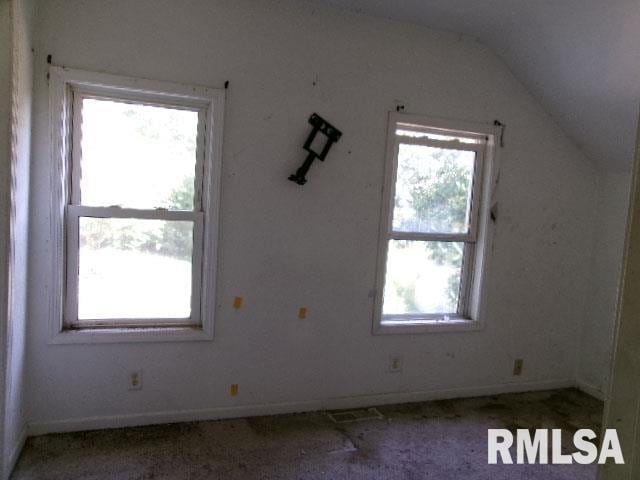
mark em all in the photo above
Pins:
pixel 433 233
pixel 137 176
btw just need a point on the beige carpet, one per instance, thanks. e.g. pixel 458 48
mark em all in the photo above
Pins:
pixel 443 440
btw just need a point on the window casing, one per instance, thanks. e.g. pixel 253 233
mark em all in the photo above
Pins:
pixel 116 216
pixel 434 231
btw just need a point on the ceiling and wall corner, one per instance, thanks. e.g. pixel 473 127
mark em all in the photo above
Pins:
pixel 579 58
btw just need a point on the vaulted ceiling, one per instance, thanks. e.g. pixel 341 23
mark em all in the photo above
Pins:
pixel 579 58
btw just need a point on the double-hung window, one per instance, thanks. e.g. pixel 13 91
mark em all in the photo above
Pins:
pixel 138 198
pixel 432 233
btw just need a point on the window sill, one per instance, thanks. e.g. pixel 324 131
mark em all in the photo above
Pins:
pixel 131 335
pixel 406 326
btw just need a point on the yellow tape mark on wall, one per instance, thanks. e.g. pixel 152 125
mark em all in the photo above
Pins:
pixel 302 313
pixel 237 302
pixel 233 390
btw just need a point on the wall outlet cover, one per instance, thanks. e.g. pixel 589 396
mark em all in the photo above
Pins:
pixel 395 364
pixel 135 380
pixel 517 366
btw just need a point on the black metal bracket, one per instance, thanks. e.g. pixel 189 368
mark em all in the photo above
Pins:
pixel 332 135
pixel 503 127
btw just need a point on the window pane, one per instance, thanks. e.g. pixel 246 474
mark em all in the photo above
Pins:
pixel 131 268
pixel 137 156
pixel 433 190
pixel 422 277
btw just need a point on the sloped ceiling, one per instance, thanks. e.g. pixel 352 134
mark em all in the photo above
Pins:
pixel 580 58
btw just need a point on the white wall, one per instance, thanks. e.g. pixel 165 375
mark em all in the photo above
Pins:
pixel 15 137
pixel 22 82
pixel 622 409
pixel 5 175
pixel 283 247
pixel 598 326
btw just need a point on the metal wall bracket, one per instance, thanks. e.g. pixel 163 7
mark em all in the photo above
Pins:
pixel 332 135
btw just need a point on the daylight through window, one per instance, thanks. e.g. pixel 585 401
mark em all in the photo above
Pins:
pixel 135 205
pixel 432 224
pixel 135 218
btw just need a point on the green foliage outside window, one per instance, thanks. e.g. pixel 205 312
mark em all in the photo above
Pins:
pixel 434 198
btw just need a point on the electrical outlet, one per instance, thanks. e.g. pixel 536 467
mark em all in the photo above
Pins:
pixel 517 366
pixel 135 380
pixel 395 364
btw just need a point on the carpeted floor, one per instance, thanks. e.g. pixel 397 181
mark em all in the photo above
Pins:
pixel 441 440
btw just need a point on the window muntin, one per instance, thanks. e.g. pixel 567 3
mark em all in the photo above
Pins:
pixel 432 225
pixel 135 218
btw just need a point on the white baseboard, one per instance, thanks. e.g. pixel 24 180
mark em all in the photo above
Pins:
pixel 137 419
pixel 15 453
pixel 590 389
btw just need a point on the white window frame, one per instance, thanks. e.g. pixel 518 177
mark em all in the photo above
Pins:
pixel 469 315
pixel 67 89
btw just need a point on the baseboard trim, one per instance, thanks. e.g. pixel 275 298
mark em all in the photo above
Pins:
pixel 591 389
pixel 15 453
pixel 236 411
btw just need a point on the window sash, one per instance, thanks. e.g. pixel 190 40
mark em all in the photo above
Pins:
pixel 462 310
pixel 471 235
pixel 75 210
pixel 73 215
pixel 80 95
